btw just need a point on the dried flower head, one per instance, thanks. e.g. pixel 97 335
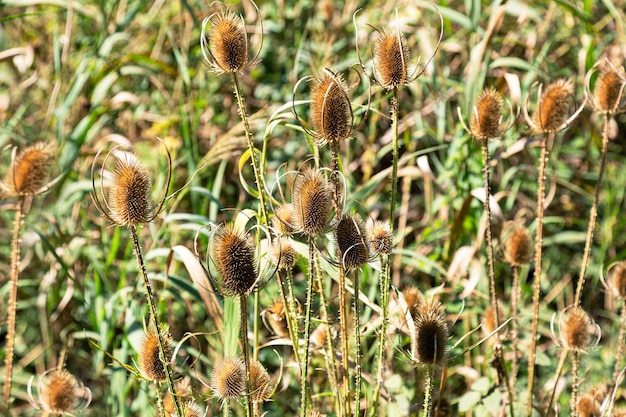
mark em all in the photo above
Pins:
pixel 550 115
pixel 228 379
pixel 59 392
pixel 380 237
pixel 260 388
pixel 331 111
pixel 489 318
pixel 617 279
pixel 192 409
pixel 150 363
pixel 391 59
pixel 312 201
pixel 487 115
pixel 609 88
pixel 576 329
pixel 275 316
pixel 413 298
pixel 352 242
pixel 431 334
pixel 588 406
pixel 29 170
pixel 283 219
pixel 284 255
pixel 129 195
pixel 516 242
pixel 233 255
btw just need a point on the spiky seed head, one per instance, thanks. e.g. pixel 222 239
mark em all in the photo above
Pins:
pixel 608 90
pixel 431 334
pixel 150 363
pixel 617 279
pixel 191 409
pixel 228 379
pixel 380 237
pixel 413 298
pixel 489 318
pixel 233 254
pixel 29 171
pixel 260 388
pixel 276 317
pixel 551 111
pixel 129 195
pixel 312 202
pixel 59 392
pixel 284 255
pixel 352 241
pixel 588 406
pixel 319 337
pixel 331 111
pixel 283 219
pixel 575 329
pixel 487 115
pixel 516 242
pixel 391 59
pixel 229 42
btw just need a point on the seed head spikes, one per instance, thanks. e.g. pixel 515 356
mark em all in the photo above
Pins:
pixel 352 241
pixel 312 200
pixel 516 242
pixel 617 279
pixel 550 114
pixel 233 255
pixel 608 93
pixel 577 331
pixel 428 346
pixel 380 237
pixel 228 379
pixel 486 120
pixel 150 362
pixel 28 170
pixel 259 383
pixel 59 392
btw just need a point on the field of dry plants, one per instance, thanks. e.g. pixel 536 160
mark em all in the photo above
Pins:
pixel 312 208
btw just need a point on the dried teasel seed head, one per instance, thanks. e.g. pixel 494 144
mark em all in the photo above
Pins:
pixel 59 392
pixel 516 242
pixel 319 336
pixel 284 255
pixel 275 315
pixel 29 171
pixel 191 409
pixel 312 201
pixel 229 42
pixel 588 406
pixel 283 219
pixel 129 195
pixel 233 254
pixel 331 111
pixel 391 59
pixel 575 329
pixel 617 279
pixel 228 379
pixel 609 89
pixel 487 115
pixel 150 363
pixel 489 318
pixel 551 111
pixel 260 388
pixel 431 334
pixel 352 242
pixel 380 237
pixel 413 298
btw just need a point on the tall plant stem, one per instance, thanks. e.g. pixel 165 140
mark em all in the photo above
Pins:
pixel 245 348
pixel 357 347
pixel 290 310
pixel 620 342
pixel 12 305
pixel 334 148
pixel 559 371
pixel 515 296
pixel 593 213
pixel 488 237
pixel 394 169
pixel 575 363
pixel 155 321
pixel 304 367
pixel 428 392
pixel 537 278
pixel 159 397
pixel 384 291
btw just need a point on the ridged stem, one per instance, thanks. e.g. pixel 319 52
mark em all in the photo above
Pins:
pixel 394 169
pixel 12 305
pixel 290 310
pixel 384 291
pixel 515 296
pixel 155 321
pixel 559 371
pixel 575 364
pixel 537 278
pixel 488 237
pixel 620 342
pixel 593 213
pixel 245 348
pixel 304 367
pixel 428 392
pixel 357 347
pixel 159 398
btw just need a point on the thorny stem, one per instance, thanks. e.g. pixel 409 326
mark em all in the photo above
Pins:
pixel 559 371
pixel 593 213
pixel 575 362
pixel 12 307
pixel 245 347
pixel 334 148
pixel 428 393
pixel 384 290
pixel 620 342
pixel 155 322
pixel 394 171
pixel 515 296
pixel 537 278
pixel 159 397
pixel 307 332
pixel 357 347
pixel 290 311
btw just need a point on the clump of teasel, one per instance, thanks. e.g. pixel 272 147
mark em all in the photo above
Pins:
pixel 60 392
pixel 331 111
pixel 28 171
pixel 380 237
pixel 228 378
pixel 150 363
pixel 259 383
pixel 233 255
pixel 516 243
pixel 430 337
pixel 312 200
pixel 351 240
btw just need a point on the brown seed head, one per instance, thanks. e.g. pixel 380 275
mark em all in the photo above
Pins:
pixel 312 201
pixel 575 329
pixel 228 379
pixel 150 363
pixel 331 111
pixel 617 279
pixel 608 90
pixel 283 219
pixel 129 195
pixel 59 392
pixel 517 245
pixel 352 242
pixel 487 115
pixel 319 337
pixel 260 388
pixel 275 315
pixel 588 406
pixel 489 318
pixel 431 334
pixel 284 255
pixel 551 111
pixel 413 298
pixel 29 171
pixel 233 254
pixel 229 42
pixel 391 59
pixel 191 409
pixel 381 237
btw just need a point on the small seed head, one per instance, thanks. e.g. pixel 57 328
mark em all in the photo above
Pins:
pixel 29 171
pixel 381 237
pixel 284 255
pixel 431 334
pixel 351 240
pixel 517 245
pixel 489 318
pixel 229 42
pixel 233 254
pixel 609 89
pixel 228 379
pixel 487 115
pixel 259 383
pixel 331 111
pixel 191 409
pixel 59 392
pixel 275 315
pixel 575 329
pixel 283 219
pixel 150 363
pixel 551 111
pixel 391 59
pixel 129 195
pixel 319 337
pixel 588 406
pixel 617 279
pixel 312 201
pixel 413 298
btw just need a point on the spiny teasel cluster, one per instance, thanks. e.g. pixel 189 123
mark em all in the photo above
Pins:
pixel 312 200
pixel 233 255
pixel 228 378
pixel 331 110
pixel 150 363
pixel 428 344
pixel 489 318
pixel 28 172
pixel 228 42
pixel 283 219
pixel 352 242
